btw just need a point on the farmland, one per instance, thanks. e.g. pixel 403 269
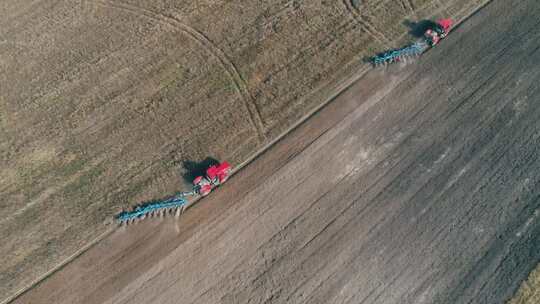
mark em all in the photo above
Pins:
pixel 102 103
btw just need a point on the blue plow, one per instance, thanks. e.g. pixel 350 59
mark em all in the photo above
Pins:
pixel 176 203
pixel 396 55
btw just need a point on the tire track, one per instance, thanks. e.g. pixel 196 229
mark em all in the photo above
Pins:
pixel 377 4
pixel 408 5
pixel 201 39
pixel 404 6
pixel 250 28
pixel 370 29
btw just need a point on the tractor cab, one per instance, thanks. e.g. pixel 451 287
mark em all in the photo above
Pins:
pixel 215 176
pixel 438 31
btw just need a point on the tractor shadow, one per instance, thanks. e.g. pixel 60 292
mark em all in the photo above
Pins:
pixel 192 169
pixel 418 28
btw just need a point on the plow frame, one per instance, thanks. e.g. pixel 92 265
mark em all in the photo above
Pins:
pixel 414 49
pixel 159 207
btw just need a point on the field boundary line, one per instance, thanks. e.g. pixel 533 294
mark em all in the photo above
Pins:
pixel 411 5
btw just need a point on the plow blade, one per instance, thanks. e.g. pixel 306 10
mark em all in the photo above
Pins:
pixel 396 55
pixel 153 209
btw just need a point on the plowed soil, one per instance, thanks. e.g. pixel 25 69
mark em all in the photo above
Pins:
pixel 418 184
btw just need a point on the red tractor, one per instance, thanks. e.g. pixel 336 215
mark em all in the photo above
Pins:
pixel 215 176
pixel 432 36
pixel 438 31
pixel 202 185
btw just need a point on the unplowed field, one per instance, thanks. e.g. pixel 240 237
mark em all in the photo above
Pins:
pixel 529 291
pixel 102 102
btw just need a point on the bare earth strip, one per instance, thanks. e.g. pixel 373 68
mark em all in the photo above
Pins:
pixel 419 184
pixel 102 101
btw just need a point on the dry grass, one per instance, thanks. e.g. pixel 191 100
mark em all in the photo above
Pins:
pixel 529 292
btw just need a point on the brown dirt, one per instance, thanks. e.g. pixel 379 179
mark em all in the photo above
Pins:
pixel 102 101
